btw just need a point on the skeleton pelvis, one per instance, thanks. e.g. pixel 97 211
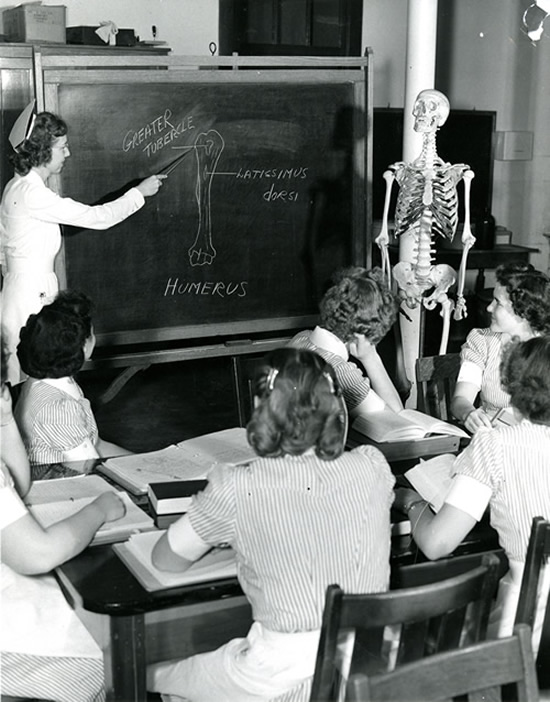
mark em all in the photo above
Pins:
pixel 413 287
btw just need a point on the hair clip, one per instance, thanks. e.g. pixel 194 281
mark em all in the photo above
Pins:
pixel 330 382
pixel 270 380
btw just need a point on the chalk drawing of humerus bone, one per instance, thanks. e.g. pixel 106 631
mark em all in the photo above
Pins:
pixel 208 148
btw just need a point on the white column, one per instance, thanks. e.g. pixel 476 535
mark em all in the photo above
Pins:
pixel 419 75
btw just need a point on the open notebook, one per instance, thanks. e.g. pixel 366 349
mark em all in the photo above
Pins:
pixel 217 564
pixel 188 460
pixel 50 501
pixel 433 478
pixel 387 425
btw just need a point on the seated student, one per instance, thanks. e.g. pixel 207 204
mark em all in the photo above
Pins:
pixel 55 419
pixel 507 468
pixel 356 313
pixel 520 309
pixel 300 517
pixel 45 650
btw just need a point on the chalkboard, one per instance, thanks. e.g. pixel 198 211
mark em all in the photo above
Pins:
pixel 269 198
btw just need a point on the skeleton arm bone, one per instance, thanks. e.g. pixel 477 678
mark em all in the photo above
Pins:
pixel 383 238
pixel 468 240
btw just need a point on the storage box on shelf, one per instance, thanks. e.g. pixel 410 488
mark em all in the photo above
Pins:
pixel 35 23
pixel 88 36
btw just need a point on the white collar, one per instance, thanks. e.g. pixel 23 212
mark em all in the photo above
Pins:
pixel 326 340
pixel 34 176
pixel 67 385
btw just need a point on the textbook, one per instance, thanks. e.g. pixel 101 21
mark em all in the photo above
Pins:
pixel 432 479
pixel 50 501
pixel 173 496
pixel 386 425
pixel 188 460
pixel 217 564
pixel 163 521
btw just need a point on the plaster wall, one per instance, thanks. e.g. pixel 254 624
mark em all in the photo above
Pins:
pixel 484 61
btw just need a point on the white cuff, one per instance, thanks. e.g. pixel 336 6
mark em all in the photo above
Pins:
pixel 469 495
pixel 184 540
pixel 83 452
pixel 371 403
pixel 470 373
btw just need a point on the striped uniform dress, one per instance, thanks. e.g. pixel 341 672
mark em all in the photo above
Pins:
pixel 481 355
pixel 514 462
pixel 297 525
pixel 52 422
pixel 355 386
pixel 45 651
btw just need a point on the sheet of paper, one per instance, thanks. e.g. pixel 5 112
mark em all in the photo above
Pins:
pixel 432 478
pixel 59 489
pixel 50 501
pixel 217 563
pixel 188 460
pixel 228 446
pixel 157 466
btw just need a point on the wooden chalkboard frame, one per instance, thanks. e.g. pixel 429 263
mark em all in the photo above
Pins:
pixel 353 73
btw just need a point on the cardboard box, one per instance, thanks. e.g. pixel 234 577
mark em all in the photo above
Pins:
pixel 35 23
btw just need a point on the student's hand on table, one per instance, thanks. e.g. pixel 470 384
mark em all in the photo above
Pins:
pixel 476 419
pixel 404 497
pixel 111 505
pixel 150 186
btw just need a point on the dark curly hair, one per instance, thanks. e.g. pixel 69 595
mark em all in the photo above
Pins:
pixel 525 375
pixel 37 149
pixel 51 344
pixel 299 407
pixel 529 293
pixel 359 303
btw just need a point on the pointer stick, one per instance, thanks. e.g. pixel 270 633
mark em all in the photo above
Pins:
pixel 170 167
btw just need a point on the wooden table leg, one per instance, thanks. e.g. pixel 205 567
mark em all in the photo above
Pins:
pixel 125 673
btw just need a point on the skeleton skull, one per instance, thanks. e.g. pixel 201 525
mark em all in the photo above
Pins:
pixel 431 110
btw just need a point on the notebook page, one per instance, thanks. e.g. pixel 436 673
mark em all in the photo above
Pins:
pixel 217 563
pixel 135 472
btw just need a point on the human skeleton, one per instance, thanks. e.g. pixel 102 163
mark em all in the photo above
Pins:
pixel 427 206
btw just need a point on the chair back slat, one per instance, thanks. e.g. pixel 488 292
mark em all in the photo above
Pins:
pixel 478 672
pixel 538 553
pixel 436 379
pixel 417 622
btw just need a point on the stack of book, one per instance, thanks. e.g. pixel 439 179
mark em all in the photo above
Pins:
pixel 169 500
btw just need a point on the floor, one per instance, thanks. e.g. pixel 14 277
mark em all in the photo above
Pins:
pixel 164 404
pixel 171 402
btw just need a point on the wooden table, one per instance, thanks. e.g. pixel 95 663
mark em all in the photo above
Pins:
pixel 134 627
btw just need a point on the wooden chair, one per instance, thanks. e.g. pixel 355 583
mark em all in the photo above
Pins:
pixel 436 379
pixel 371 633
pixel 485 671
pixel 427 572
pixel 538 555
pixel 244 374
